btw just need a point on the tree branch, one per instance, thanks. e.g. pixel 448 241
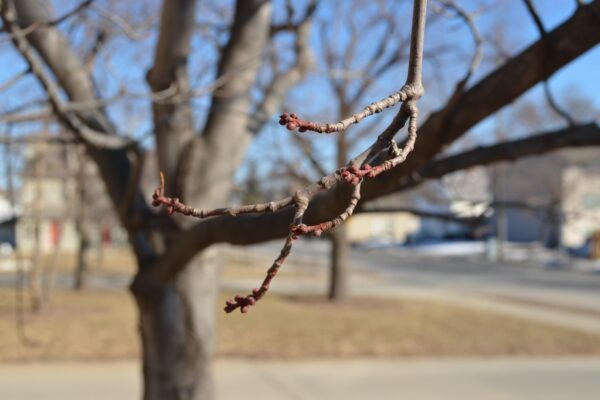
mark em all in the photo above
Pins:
pixel 283 81
pixel 574 37
pixel 547 92
pixel 115 156
pixel 173 120
pixel 576 136
pixel 225 137
pixel 353 174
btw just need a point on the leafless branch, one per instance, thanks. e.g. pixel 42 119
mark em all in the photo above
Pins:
pixel 38 24
pixel 353 173
pixel 282 81
pixel 535 16
pixel 507 82
pixel 174 205
pixel 11 139
pixel 290 25
pixel 14 79
pixel 293 122
pixel 477 39
pixel 85 133
pixel 554 105
pixel 547 91
pixel 576 136
pixel 121 23
pixel 11 118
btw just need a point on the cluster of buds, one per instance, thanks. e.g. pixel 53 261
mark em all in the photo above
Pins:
pixel 172 203
pixel 292 122
pixel 312 230
pixel 242 302
pixel 158 198
pixel 353 174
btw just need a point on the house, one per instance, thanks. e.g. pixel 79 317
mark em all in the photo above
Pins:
pixel 9 216
pixel 50 196
pixel 552 198
pixel 422 214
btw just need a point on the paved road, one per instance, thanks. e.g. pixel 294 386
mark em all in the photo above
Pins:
pixel 403 269
pixel 563 296
pixel 504 379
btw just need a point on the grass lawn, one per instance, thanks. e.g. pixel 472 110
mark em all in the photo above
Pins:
pixel 102 325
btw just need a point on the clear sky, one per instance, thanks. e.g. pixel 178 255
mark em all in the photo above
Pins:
pixel 124 62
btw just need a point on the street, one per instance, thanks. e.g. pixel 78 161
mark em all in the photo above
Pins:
pixel 566 296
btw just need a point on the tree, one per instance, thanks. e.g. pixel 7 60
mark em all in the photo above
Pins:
pixel 175 285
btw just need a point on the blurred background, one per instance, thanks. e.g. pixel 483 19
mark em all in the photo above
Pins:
pixel 477 276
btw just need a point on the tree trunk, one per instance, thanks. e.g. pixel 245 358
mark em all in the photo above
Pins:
pixel 83 225
pixel 35 273
pixel 339 280
pixel 177 329
pixel 83 258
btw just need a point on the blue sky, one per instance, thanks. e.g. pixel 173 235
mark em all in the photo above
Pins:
pixel 125 62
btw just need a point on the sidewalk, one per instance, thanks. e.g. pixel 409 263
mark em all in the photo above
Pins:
pixel 499 379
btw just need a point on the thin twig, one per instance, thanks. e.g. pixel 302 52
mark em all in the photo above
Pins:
pixel 119 22
pixel 547 91
pixel 535 16
pixel 173 205
pixel 39 24
pixel 477 39
pixel 14 79
pixel 293 122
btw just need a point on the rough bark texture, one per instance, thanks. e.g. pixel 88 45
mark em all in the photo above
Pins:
pixel 177 330
pixel 82 268
pixel 339 288
pixel 83 226
pixel 177 317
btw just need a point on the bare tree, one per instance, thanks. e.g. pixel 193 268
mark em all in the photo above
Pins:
pixel 175 285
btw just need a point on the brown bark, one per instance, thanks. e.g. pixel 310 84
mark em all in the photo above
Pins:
pixel 338 267
pixel 83 226
pixel 83 260
pixel 173 120
pixel 339 288
pixel 177 330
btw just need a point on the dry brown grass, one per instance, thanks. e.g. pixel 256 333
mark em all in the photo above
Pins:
pixel 102 325
pixel 78 326
pixel 292 327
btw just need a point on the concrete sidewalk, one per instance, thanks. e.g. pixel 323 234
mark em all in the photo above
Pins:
pixel 498 379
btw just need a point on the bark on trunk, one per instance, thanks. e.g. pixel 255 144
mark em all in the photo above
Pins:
pixel 83 258
pixel 338 280
pixel 338 269
pixel 177 329
pixel 83 225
